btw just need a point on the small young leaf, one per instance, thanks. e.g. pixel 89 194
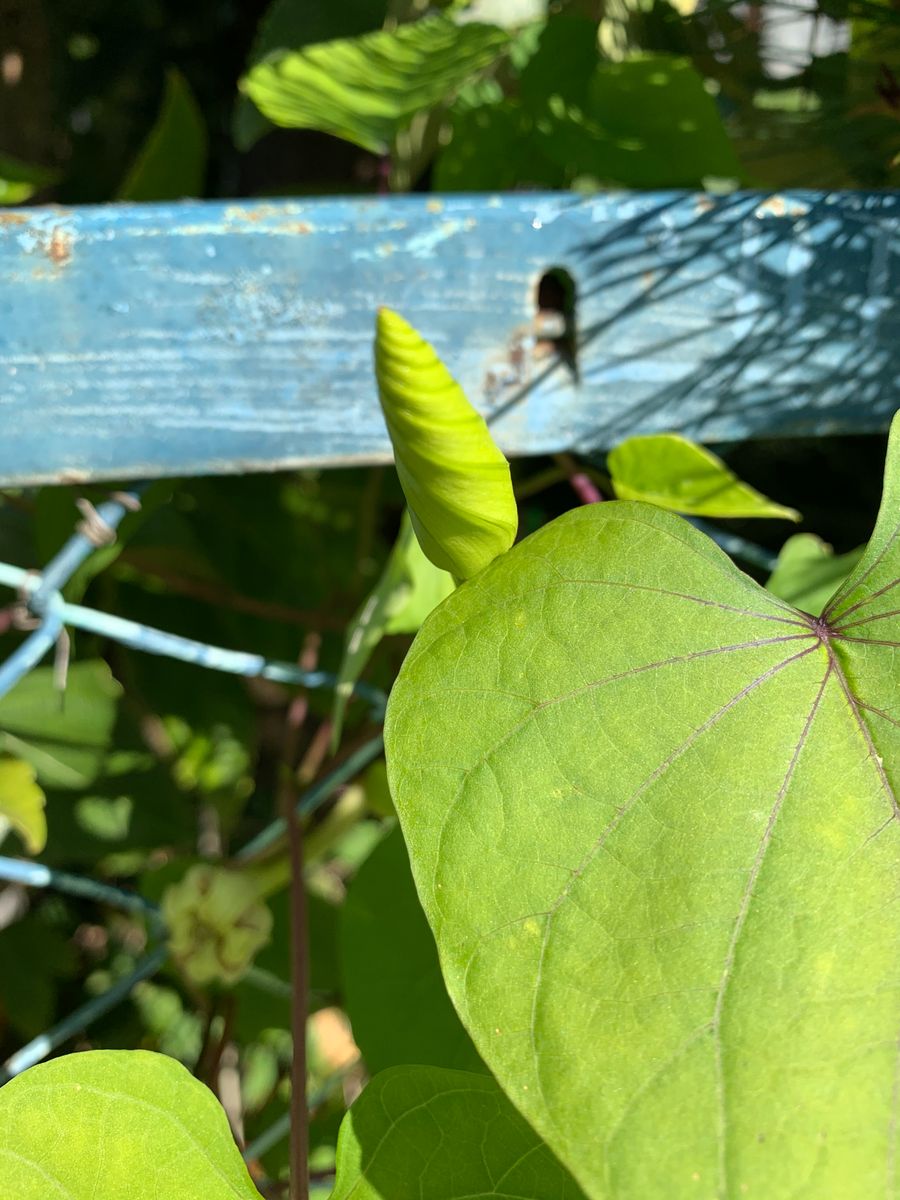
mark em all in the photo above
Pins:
pixel 363 89
pixel 455 479
pixel 424 1132
pixel 668 470
pixel 808 572
pixel 653 819
pixel 409 588
pixel 116 1125
pixel 22 804
pixel 172 162
pixel 19 181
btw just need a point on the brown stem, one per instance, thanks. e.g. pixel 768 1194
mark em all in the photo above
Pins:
pixel 216 594
pixel 582 484
pixel 299 934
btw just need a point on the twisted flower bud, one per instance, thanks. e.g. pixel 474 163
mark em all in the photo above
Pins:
pixel 216 923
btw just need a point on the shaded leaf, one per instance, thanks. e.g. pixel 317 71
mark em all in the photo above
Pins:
pixel 646 121
pixel 35 959
pixel 172 162
pixel 455 479
pixel 65 737
pixel 121 1125
pixel 419 1131
pixel 363 89
pixel 393 990
pixel 19 181
pixel 409 588
pixel 673 800
pixel 22 804
pixel 808 572
pixel 668 470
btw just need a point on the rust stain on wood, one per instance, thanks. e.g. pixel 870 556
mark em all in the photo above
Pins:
pixel 59 247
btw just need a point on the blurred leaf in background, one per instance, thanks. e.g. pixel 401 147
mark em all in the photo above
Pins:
pixel 362 89
pixel 172 162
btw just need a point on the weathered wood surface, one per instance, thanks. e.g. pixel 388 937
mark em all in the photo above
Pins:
pixel 205 337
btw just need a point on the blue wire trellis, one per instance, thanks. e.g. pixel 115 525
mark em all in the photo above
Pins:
pixel 41 595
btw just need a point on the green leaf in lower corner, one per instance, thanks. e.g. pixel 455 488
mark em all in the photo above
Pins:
pixel 395 996
pixel 424 1132
pixel 668 470
pixel 172 162
pixel 455 479
pixel 808 572
pixel 116 1125
pixel 652 814
pixel 22 804
pixel 409 588
pixel 363 89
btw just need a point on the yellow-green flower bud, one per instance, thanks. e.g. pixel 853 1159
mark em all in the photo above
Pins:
pixel 455 479
pixel 216 923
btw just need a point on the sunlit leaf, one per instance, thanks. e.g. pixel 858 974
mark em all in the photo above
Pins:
pixel 672 472
pixel 652 813
pixel 455 479
pixel 22 804
pixel 172 162
pixel 808 572
pixel 420 1131
pixel 363 89
pixel 116 1125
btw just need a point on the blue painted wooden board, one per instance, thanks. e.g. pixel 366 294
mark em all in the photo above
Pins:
pixel 206 337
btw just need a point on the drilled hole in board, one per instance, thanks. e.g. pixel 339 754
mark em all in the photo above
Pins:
pixel 556 318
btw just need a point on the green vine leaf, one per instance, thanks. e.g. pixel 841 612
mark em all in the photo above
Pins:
pixel 121 1125
pixel 673 799
pixel 426 1131
pixel 669 470
pixel 363 89
pixel 455 479
pixel 808 572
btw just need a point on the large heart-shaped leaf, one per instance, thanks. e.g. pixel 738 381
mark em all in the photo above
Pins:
pixel 652 815
pixel 426 1132
pixel 116 1125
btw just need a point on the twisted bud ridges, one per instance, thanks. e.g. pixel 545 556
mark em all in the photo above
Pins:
pixel 217 923
pixel 455 479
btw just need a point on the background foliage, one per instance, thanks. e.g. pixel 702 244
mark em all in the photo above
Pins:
pixel 148 766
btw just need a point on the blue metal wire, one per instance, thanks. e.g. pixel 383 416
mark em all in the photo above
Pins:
pixel 80 547
pixel 31 651
pixel 155 641
pixel 315 797
pixel 36 875
pixel 38 1048
pixel 44 598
